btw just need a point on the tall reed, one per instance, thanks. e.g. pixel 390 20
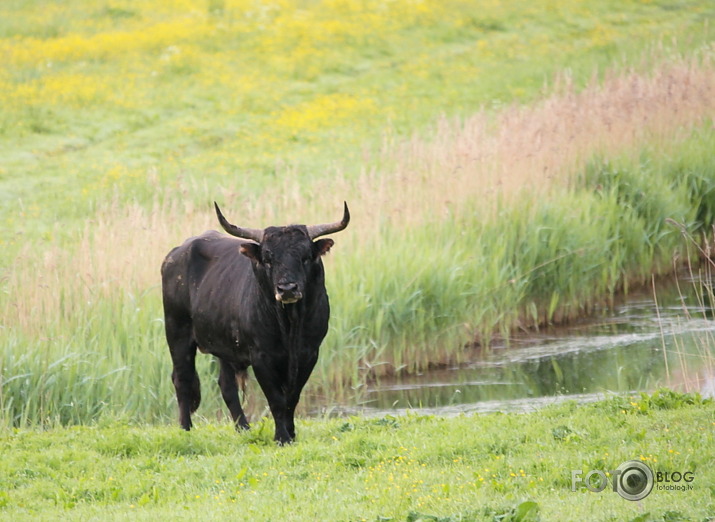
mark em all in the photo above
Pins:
pixel 694 356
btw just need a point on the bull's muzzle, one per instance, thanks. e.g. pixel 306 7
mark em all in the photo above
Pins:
pixel 288 293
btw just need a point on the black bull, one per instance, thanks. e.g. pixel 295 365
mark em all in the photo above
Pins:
pixel 261 303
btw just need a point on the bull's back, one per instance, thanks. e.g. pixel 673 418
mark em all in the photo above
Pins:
pixel 202 283
pixel 185 268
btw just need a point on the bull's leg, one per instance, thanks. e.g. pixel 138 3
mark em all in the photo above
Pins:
pixel 229 391
pixel 304 371
pixel 186 381
pixel 272 377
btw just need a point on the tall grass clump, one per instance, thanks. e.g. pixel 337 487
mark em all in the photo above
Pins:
pixel 693 357
pixel 528 263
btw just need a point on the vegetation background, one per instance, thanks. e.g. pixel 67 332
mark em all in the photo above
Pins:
pixel 508 165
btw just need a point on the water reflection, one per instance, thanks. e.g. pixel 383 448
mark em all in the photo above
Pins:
pixel 636 346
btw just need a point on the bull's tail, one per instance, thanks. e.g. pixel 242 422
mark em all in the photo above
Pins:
pixel 241 380
pixel 195 392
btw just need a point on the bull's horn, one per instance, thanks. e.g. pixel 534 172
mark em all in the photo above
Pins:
pixel 329 228
pixel 244 233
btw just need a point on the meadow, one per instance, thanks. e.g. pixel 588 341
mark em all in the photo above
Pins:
pixel 487 467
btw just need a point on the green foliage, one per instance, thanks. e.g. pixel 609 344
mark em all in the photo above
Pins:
pixel 122 99
pixel 666 399
pixel 668 516
pixel 661 399
pixel 421 468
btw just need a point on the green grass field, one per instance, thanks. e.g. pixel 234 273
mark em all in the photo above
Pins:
pixel 485 467
pixel 200 99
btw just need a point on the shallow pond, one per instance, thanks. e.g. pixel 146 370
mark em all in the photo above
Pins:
pixel 635 346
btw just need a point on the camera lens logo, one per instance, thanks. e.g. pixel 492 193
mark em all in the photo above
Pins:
pixel 633 480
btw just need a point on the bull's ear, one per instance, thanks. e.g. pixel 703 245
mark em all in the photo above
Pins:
pixel 252 251
pixel 322 247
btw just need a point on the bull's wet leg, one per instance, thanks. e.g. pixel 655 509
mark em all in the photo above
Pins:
pixel 229 392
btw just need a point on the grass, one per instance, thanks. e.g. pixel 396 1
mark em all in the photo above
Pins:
pixel 124 122
pixel 407 468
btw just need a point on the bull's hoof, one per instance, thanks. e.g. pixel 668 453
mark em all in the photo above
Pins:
pixel 284 441
pixel 242 426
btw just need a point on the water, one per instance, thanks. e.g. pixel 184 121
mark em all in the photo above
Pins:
pixel 636 346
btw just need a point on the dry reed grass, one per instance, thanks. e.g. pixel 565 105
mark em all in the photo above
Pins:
pixel 466 164
pixel 459 166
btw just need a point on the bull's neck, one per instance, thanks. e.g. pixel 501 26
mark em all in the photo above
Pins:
pixel 289 317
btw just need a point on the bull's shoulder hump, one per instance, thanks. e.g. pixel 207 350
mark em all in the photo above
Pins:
pixel 212 240
pixel 213 245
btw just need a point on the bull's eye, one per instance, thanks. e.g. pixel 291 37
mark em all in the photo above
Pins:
pixel 267 259
pixel 306 261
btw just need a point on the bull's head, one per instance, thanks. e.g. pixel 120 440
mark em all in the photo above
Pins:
pixel 286 257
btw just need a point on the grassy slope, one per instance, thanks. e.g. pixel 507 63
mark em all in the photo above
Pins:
pixel 466 468
pixel 101 97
